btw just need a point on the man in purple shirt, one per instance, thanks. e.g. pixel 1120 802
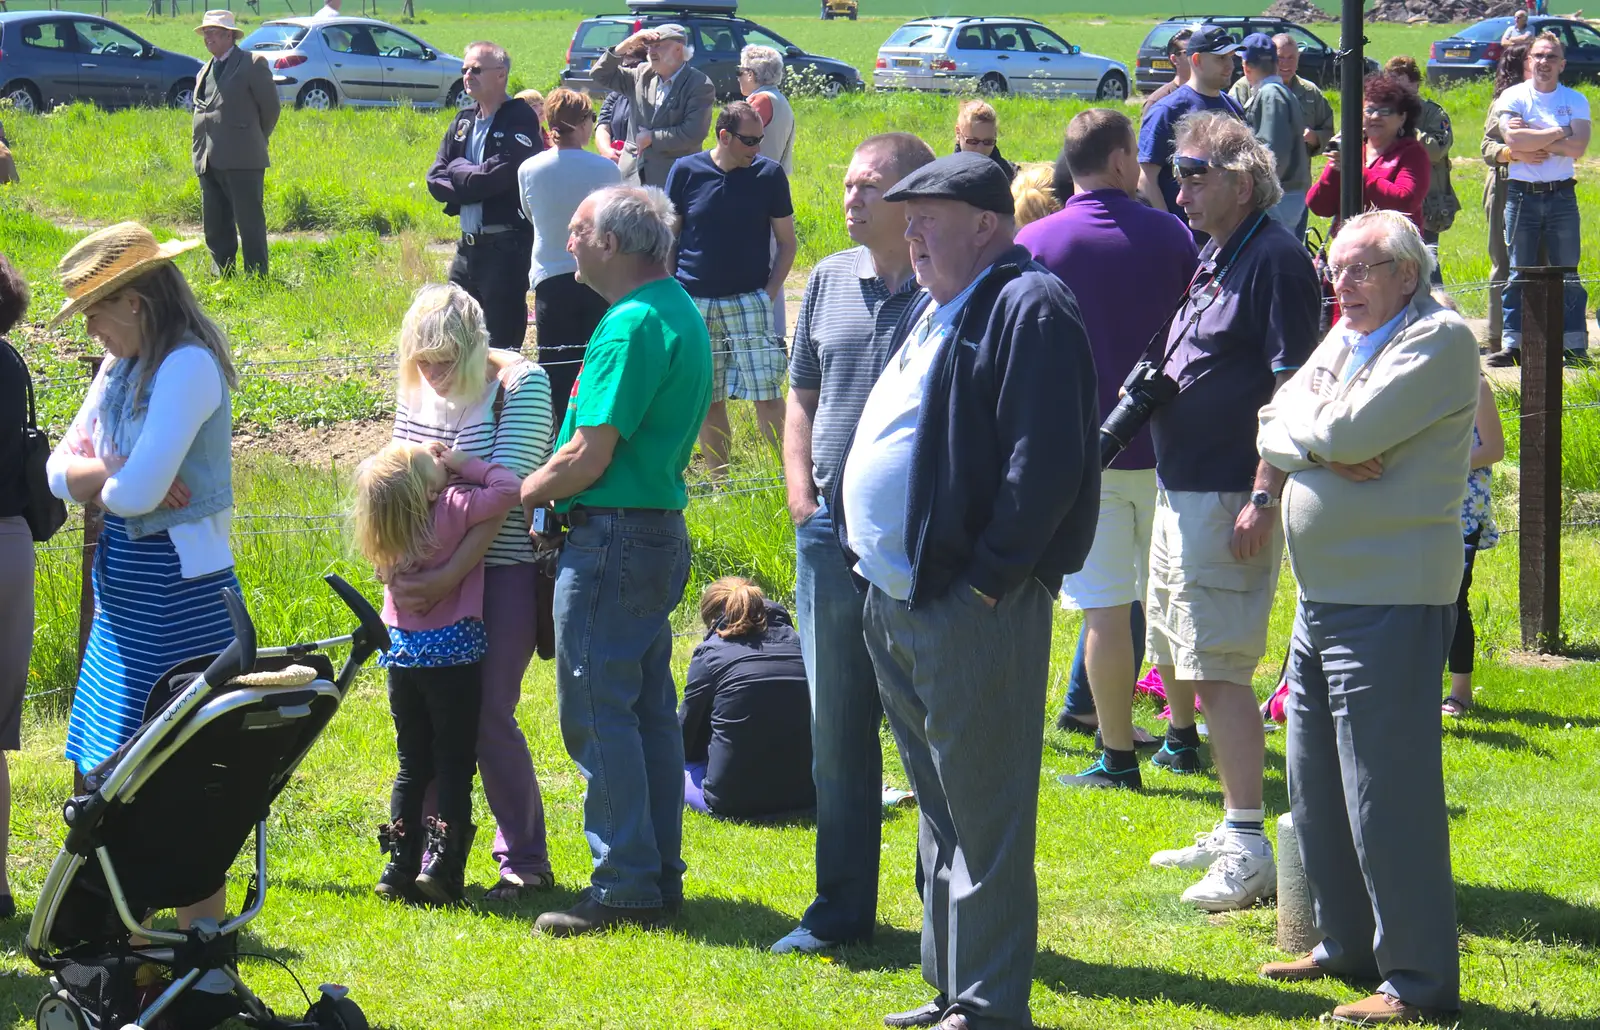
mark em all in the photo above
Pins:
pixel 1128 264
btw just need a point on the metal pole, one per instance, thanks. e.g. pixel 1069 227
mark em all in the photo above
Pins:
pixel 1539 544
pixel 1352 68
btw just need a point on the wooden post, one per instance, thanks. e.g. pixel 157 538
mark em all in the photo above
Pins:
pixel 1540 501
pixel 93 519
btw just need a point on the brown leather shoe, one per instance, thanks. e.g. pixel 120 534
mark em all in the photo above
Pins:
pixel 589 916
pixel 1302 968
pixel 1378 1010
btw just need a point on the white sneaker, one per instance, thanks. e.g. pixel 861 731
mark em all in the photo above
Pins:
pixel 802 942
pixel 1199 855
pixel 1238 878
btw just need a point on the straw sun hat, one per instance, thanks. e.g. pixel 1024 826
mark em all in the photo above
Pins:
pixel 220 20
pixel 105 261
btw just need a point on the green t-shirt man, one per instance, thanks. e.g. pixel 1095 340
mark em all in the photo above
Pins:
pixel 647 373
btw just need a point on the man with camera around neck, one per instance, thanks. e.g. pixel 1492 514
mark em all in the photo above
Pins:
pixel 1126 264
pixel 1250 320
pixel 969 490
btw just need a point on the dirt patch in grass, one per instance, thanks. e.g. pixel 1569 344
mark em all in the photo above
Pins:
pixel 342 445
pixel 1535 660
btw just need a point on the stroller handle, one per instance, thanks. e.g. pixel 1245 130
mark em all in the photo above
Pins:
pixel 371 635
pixel 240 655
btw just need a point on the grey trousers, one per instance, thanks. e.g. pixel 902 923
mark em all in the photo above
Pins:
pixel 233 213
pixel 964 688
pixel 1366 785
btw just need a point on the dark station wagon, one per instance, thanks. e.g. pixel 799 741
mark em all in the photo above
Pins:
pixel 1318 64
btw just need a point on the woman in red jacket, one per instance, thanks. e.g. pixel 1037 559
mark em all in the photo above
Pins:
pixel 1395 163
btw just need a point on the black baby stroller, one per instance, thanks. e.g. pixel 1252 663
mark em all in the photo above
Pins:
pixel 162 821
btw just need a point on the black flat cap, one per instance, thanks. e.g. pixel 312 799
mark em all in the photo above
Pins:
pixel 971 178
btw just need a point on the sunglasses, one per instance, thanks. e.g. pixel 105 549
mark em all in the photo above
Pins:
pixel 1189 167
pixel 974 141
pixel 749 141
pixel 1381 112
pixel 1356 271
pixel 477 69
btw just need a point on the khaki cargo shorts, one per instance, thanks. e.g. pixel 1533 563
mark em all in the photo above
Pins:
pixel 1207 612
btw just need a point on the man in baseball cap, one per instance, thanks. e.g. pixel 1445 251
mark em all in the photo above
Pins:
pixel 1210 55
pixel 971 487
pixel 670 102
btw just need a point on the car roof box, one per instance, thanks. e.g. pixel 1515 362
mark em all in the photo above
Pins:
pixel 683 6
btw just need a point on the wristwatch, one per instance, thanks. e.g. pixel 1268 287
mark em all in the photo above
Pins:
pixel 1263 499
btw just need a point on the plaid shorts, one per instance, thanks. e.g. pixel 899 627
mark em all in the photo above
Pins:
pixel 747 356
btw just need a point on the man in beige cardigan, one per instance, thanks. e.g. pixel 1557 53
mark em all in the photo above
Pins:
pixel 235 111
pixel 1374 433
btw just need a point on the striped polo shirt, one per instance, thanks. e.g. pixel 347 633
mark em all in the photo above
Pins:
pixel 521 442
pixel 841 342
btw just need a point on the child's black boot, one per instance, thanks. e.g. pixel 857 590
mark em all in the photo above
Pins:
pixel 404 847
pixel 444 864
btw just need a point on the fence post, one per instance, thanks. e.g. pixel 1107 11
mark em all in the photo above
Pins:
pixel 1543 331
pixel 93 518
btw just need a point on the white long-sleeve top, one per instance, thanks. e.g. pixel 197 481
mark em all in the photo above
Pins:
pixel 186 389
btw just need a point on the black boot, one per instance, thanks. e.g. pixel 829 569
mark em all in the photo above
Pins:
pixel 444 864
pixel 404 847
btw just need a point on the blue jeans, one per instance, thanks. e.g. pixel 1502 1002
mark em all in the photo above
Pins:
pixel 1544 228
pixel 618 580
pixel 847 758
pixel 1291 212
pixel 1080 701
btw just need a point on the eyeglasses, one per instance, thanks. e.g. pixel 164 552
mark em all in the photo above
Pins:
pixel 1356 270
pixel 477 69
pixel 1189 167
pixel 974 141
pixel 1381 112
pixel 749 141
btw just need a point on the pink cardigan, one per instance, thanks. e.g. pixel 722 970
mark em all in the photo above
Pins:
pixel 1397 181
pixel 489 491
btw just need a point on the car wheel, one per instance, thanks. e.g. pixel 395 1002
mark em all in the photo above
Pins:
pixel 24 97
pixel 457 97
pixel 182 95
pixel 1112 87
pixel 833 86
pixel 992 84
pixel 317 95
pixel 852 16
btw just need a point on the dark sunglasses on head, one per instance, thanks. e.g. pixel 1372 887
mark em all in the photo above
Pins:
pixel 1189 167
pixel 1381 112
pixel 749 141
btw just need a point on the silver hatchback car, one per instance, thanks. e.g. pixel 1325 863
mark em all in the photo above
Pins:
pixel 994 55
pixel 322 63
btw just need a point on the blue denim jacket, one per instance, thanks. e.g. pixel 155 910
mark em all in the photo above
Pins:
pixel 207 470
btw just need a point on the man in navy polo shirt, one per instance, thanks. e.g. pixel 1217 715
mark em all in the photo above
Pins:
pixel 1210 56
pixel 731 203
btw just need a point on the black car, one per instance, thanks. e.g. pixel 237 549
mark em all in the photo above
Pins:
pixel 56 57
pixel 717 38
pixel 1474 52
pixel 1317 59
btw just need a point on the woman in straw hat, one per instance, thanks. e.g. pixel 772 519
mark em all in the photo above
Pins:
pixel 150 445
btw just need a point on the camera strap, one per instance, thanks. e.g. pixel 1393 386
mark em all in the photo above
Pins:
pixel 1188 295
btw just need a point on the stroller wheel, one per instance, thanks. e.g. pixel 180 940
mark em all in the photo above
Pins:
pixel 59 1012
pixel 337 1014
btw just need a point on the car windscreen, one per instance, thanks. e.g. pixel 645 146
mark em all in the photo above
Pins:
pixel 1485 31
pixel 275 36
pixel 1162 34
pixel 931 37
pixel 598 35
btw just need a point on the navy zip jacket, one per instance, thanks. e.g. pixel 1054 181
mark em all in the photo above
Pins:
pixel 514 136
pixel 1005 475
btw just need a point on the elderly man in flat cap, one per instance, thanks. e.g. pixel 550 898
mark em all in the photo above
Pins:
pixel 670 110
pixel 971 488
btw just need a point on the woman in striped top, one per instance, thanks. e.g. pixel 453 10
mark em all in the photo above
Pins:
pixel 495 406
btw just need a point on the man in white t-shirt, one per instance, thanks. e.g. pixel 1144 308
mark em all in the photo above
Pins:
pixel 330 9
pixel 1546 125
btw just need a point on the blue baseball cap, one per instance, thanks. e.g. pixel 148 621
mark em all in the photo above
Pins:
pixel 1259 46
pixel 1211 39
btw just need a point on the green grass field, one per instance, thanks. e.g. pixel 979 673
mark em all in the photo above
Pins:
pixel 1118 951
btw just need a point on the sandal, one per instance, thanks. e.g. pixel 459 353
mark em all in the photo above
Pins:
pixel 508 889
pixel 1454 706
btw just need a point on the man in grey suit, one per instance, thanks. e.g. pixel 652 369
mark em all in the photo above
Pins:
pixel 235 110
pixel 672 103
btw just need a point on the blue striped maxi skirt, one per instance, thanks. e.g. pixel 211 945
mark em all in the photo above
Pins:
pixel 147 618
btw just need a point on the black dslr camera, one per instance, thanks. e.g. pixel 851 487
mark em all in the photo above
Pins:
pixel 1145 390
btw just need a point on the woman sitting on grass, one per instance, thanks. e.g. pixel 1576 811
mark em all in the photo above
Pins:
pixel 746 712
pixel 1480 532
pixel 493 404
pixel 408 515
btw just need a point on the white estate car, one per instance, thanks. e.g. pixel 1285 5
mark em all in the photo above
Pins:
pixel 994 55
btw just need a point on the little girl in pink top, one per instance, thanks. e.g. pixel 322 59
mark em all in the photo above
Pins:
pixel 411 514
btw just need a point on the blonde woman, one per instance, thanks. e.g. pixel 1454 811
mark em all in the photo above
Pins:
pixel 978 132
pixel 410 515
pixel 493 405
pixel 1034 192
